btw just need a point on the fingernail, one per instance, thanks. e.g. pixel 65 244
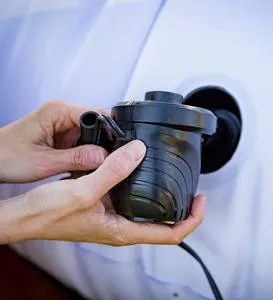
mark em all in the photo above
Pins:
pixel 135 150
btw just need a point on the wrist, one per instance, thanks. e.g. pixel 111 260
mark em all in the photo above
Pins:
pixel 15 220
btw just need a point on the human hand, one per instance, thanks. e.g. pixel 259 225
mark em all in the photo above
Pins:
pixel 79 209
pixel 40 145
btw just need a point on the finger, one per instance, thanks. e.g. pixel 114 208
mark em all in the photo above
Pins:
pixel 67 139
pixel 148 233
pixel 81 158
pixel 193 221
pixel 58 116
pixel 116 167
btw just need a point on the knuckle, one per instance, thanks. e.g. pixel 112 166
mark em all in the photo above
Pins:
pixel 80 158
pixel 51 105
pixel 52 115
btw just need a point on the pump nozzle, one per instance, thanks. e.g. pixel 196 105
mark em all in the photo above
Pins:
pixel 90 128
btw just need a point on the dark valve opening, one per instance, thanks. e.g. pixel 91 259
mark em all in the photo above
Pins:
pixel 218 149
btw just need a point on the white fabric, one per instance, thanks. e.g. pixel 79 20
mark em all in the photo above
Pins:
pixel 97 53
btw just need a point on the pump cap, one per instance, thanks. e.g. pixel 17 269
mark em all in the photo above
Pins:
pixel 162 96
pixel 166 109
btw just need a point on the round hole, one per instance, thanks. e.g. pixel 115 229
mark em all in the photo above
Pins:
pixel 89 119
pixel 217 150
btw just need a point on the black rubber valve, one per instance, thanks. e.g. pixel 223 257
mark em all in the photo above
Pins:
pixel 219 148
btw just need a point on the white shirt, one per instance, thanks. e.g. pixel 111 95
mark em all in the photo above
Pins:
pixel 97 53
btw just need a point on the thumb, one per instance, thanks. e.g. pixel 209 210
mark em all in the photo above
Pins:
pixel 81 158
pixel 117 166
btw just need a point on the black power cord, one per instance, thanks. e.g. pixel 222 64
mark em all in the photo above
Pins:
pixel 215 290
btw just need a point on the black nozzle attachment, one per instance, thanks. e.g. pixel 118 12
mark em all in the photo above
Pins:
pixel 98 130
pixel 90 128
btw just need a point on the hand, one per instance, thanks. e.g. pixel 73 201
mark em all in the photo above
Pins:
pixel 79 209
pixel 39 145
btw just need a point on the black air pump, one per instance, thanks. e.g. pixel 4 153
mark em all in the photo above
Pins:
pixel 184 137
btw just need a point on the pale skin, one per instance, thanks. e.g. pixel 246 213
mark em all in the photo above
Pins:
pixel 80 210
